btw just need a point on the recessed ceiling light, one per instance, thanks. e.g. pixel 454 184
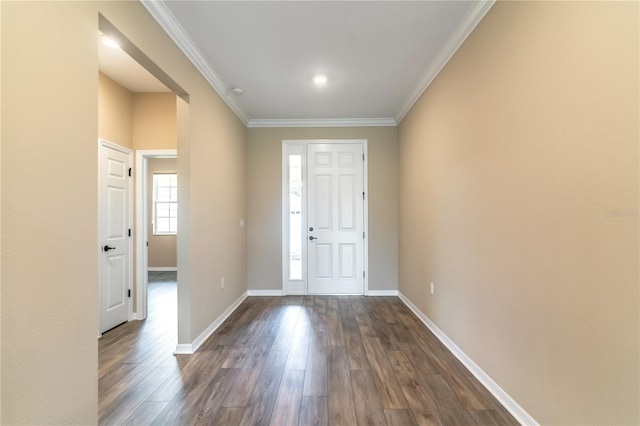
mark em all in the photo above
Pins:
pixel 109 42
pixel 320 79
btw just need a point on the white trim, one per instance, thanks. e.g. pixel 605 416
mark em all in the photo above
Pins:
pixel 324 122
pixel 335 294
pixel 365 219
pixel 184 349
pixel 299 146
pixel 218 322
pixel 188 349
pixel 141 230
pixel 163 16
pixel 265 293
pixel 125 150
pixel 162 268
pixel 509 403
pixel 467 25
pixel 382 293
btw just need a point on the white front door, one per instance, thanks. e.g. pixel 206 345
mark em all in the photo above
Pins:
pixel 114 215
pixel 335 222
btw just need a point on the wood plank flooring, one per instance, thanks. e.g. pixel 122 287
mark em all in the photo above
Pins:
pixel 312 360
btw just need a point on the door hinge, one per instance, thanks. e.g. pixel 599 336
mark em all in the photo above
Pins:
pixel 363 195
pixel 362 157
pixel 129 292
pixel 363 235
pixel 129 171
pixel 129 231
pixel 363 274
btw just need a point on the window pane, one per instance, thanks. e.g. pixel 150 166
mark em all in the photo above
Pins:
pixel 162 225
pixel 162 209
pixel 295 217
pixel 164 193
pixel 163 179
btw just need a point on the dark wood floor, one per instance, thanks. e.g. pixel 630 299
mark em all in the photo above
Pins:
pixel 290 360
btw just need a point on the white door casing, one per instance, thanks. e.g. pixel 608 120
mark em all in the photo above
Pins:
pixel 335 202
pixel 115 251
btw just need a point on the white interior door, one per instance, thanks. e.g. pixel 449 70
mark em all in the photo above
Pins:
pixel 114 212
pixel 335 222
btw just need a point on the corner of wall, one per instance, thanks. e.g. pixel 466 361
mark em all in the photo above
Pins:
pixel 500 394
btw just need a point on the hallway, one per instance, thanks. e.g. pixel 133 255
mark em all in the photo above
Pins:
pixel 131 355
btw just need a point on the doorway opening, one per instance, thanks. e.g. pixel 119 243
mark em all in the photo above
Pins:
pixel 145 209
pixel 135 68
pixel 324 217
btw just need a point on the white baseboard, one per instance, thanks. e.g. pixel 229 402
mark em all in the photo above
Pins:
pixel 184 349
pixel 302 293
pixel 382 293
pixel 509 403
pixel 162 268
pixel 265 293
pixel 189 348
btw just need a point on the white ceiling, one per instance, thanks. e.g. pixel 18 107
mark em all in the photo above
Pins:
pixel 122 68
pixel 379 56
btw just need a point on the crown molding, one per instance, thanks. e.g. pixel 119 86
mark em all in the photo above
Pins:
pixel 324 122
pixel 161 13
pixel 467 25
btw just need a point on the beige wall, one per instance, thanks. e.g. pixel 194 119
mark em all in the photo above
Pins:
pixel 510 166
pixel 154 126
pixel 217 203
pixel 135 120
pixel 49 376
pixel 154 121
pixel 138 121
pixel 264 202
pixel 162 250
pixel 115 112
pixel 49 235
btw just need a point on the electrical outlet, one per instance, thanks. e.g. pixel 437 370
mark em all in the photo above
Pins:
pixel 432 289
pixel 222 282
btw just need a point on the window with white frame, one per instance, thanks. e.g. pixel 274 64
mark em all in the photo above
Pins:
pixel 295 217
pixel 165 203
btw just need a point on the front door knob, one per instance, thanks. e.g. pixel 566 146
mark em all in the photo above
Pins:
pixel 107 248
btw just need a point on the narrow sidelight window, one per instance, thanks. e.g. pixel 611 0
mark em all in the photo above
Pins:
pixel 295 217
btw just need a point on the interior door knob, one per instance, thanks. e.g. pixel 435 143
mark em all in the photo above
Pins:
pixel 311 238
pixel 107 248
